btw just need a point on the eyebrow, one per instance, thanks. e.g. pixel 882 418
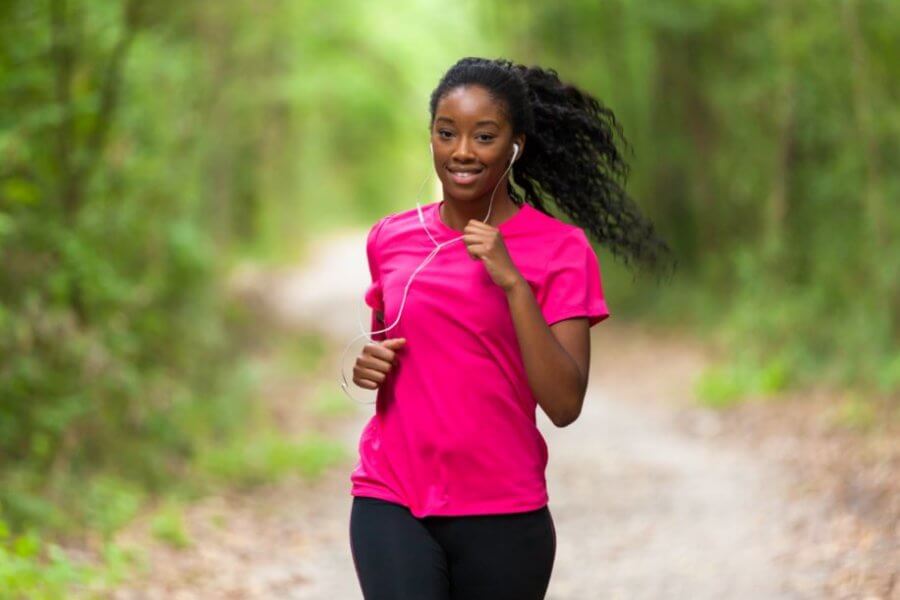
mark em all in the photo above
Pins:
pixel 483 122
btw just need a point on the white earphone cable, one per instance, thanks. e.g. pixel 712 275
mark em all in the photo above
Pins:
pixel 368 335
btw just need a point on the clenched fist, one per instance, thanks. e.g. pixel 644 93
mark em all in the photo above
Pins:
pixel 375 361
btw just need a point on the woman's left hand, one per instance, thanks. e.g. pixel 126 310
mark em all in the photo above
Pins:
pixel 485 243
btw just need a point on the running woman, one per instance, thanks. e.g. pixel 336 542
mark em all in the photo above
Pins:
pixel 449 494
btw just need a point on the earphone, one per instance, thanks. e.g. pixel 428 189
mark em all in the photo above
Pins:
pixel 344 385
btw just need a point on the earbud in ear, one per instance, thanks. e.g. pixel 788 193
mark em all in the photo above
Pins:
pixel 515 151
pixel 431 147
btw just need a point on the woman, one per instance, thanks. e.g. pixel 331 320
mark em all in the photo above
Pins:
pixel 450 498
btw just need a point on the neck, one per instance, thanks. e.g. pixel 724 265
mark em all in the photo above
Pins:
pixel 456 214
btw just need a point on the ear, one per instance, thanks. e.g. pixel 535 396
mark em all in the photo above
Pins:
pixel 520 140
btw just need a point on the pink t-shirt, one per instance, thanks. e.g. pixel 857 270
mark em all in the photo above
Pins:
pixel 454 430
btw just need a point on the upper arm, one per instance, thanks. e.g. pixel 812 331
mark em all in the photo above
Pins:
pixel 571 285
pixel 572 300
pixel 573 335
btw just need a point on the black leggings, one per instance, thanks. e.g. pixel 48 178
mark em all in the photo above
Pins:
pixel 491 557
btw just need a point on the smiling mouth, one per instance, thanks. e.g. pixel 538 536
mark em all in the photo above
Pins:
pixel 464 177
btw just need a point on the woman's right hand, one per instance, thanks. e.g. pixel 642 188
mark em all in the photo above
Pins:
pixel 375 361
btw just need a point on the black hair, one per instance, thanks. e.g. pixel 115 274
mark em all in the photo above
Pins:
pixel 570 154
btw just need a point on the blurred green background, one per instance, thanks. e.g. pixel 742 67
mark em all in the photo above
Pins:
pixel 148 147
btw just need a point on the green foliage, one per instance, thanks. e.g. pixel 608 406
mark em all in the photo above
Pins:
pixel 303 352
pixel 168 526
pixel 113 332
pixel 889 374
pixel 720 387
pixel 33 568
pixel 328 401
pixel 724 385
pixel 268 457
pixel 111 502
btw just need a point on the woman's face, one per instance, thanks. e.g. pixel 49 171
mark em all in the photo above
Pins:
pixel 472 142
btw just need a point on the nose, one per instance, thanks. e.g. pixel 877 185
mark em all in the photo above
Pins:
pixel 462 151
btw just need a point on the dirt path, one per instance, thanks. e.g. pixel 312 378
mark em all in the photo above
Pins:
pixel 652 504
pixel 649 498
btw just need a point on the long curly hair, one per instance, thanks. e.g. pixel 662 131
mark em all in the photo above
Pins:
pixel 570 155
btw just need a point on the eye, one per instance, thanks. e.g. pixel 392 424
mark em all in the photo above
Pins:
pixel 442 132
pixel 489 137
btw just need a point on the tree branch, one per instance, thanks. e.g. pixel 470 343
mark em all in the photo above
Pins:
pixel 109 92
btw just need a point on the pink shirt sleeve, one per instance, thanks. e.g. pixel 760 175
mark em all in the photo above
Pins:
pixel 572 284
pixel 374 297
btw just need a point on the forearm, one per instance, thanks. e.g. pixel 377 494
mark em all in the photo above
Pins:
pixel 553 375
